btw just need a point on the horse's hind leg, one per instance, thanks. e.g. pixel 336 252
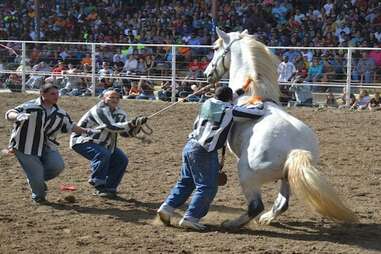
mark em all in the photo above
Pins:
pixel 280 205
pixel 252 192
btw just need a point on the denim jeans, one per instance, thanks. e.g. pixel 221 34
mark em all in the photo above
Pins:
pixel 40 169
pixel 199 172
pixel 107 169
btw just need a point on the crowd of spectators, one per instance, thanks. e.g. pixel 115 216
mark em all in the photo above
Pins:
pixel 275 22
pixel 315 23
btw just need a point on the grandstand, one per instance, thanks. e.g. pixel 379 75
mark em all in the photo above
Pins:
pixel 136 40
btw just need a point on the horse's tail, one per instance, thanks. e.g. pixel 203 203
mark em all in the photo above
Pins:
pixel 311 186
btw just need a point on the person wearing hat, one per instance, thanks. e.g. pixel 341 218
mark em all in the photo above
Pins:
pixel 200 165
pixel 33 140
pixel 108 163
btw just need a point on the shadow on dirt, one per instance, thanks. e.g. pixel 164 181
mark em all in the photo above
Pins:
pixel 366 236
pixel 135 211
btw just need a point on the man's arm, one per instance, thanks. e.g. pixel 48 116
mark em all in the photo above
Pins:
pixel 80 130
pixel 17 114
pixel 250 112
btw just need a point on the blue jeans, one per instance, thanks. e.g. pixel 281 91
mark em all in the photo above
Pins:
pixel 107 169
pixel 40 169
pixel 199 172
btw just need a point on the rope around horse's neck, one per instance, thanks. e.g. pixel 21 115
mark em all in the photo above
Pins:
pixel 180 100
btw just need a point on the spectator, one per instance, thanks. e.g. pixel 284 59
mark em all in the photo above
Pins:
pixel 131 64
pixel 86 60
pixel 315 71
pixel 141 66
pixel 286 70
pixel 73 82
pixel 375 102
pixel 146 90
pixel 365 69
pixel 165 93
pixel 13 83
pixel 37 79
pixel 331 101
pixel 303 94
pixel 150 64
pixel 342 101
pixel 362 101
pixel 134 91
pixel 194 69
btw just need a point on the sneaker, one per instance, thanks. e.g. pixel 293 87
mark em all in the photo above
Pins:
pixel 164 215
pixel 40 200
pixel 184 223
pixel 104 194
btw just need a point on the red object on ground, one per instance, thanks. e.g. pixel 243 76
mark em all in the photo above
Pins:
pixel 67 187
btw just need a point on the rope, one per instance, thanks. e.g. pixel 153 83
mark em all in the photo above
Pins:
pixel 222 161
pixel 180 100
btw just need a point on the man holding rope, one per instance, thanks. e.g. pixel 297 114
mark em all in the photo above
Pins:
pixel 108 163
pixel 200 166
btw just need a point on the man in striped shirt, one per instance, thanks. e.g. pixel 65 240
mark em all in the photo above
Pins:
pixel 108 162
pixel 200 166
pixel 33 139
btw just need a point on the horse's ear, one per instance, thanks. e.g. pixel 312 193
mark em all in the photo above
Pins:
pixel 224 36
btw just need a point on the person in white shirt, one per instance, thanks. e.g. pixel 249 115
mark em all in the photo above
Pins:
pixel 131 64
pixel 286 70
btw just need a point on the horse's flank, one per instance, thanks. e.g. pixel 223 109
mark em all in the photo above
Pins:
pixel 262 65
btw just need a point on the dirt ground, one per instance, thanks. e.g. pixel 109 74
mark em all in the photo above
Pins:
pixel 350 157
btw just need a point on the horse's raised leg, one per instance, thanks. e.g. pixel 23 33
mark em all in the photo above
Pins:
pixel 280 204
pixel 252 192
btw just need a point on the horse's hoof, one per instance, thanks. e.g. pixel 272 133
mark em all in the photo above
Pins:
pixel 265 218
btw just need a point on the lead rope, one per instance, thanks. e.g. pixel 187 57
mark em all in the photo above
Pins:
pixel 147 130
pixel 180 100
pixel 222 177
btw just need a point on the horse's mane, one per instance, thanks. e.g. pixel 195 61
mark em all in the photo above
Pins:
pixel 262 65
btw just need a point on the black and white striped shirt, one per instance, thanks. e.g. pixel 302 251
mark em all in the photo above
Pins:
pixel 114 122
pixel 40 129
pixel 213 123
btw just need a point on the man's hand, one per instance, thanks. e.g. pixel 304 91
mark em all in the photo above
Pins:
pixel 138 121
pixel 22 117
pixel 240 92
pixel 91 132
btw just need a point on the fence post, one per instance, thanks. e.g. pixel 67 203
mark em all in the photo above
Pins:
pixel 93 69
pixel 23 58
pixel 349 79
pixel 173 97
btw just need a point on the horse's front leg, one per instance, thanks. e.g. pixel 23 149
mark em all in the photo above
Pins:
pixel 252 192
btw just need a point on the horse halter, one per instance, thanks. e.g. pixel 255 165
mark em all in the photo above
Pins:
pixel 222 58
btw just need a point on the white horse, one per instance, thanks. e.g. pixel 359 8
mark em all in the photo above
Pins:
pixel 276 147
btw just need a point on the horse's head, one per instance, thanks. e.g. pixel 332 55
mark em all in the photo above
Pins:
pixel 220 63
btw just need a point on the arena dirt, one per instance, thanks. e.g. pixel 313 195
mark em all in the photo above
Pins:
pixel 350 157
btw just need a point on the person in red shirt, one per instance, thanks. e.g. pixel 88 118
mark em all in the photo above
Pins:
pixel 203 63
pixel 194 68
pixel 58 70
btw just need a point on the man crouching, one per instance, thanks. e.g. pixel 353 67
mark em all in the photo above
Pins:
pixel 108 163
pixel 33 140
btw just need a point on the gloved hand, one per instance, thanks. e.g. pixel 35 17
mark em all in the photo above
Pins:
pixel 22 117
pixel 138 121
pixel 240 92
pixel 91 132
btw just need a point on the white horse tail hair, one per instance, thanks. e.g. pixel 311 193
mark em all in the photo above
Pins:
pixel 312 187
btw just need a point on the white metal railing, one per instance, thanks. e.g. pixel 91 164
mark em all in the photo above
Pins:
pixel 174 78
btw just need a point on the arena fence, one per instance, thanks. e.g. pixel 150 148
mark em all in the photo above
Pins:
pixel 176 65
